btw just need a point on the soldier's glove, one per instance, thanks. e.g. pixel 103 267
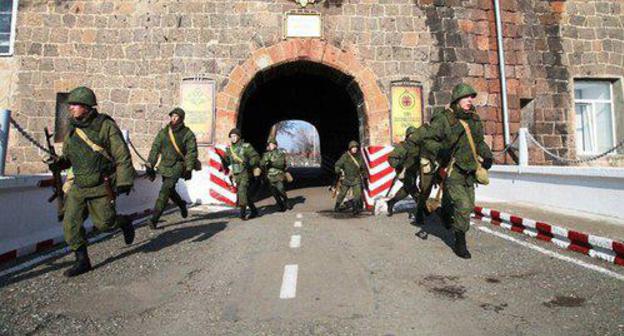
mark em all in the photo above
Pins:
pixel 187 175
pixel 54 163
pixel 151 173
pixel 125 189
pixel 487 163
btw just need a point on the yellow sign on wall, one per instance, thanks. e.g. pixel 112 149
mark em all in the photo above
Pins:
pixel 197 100
pixel 407 108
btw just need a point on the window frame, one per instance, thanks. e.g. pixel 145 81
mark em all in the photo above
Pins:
pixel 13 29
pixel 592 115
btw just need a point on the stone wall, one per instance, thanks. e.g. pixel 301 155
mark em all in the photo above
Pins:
pixel 134 54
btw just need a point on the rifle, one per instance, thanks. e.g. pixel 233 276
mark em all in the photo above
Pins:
pixel 336 188
pixel 56 181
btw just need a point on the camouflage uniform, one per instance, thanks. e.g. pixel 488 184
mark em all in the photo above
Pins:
pixel 274 164
pixel 458 200
pixel 404 159
pixel 242 158
pixel 99 174
pixel 352 169
pixel 172 166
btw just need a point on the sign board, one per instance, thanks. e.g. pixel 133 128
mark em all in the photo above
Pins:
pixel 197 99
pixel 407 108
pixel 303 24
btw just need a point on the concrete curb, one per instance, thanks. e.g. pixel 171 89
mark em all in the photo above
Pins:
pixel 51 243
pixel 594 246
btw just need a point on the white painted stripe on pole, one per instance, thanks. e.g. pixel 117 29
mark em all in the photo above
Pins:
pixel 289 282
pixel 554 254
pixel 299 216
pixel 298 224
pixel 295 241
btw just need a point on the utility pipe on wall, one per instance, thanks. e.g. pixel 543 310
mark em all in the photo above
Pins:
pixel 501 66
pixel 5 116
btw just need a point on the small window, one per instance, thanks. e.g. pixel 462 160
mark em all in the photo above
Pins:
pixel 593 104
pixel 8 12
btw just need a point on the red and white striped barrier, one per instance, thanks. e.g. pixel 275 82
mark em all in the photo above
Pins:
pixel 222 191
pixel 48 244
pixel 595 246
pixel 379 171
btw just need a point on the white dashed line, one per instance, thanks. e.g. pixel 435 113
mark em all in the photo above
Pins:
pixel 298 224
pixel 289 282
pixel 295 241
pixel 299 216
pixel 554 254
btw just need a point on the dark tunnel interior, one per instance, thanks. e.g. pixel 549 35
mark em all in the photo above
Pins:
pixel 326 98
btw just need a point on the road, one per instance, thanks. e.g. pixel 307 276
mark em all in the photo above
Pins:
pixel 212 274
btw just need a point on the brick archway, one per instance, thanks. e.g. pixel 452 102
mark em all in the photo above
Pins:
pixel 376 104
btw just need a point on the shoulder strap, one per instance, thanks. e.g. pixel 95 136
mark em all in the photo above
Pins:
pixel 175 144
pixel 354 160
pixel 235 155
pixel 470 140
pixel 95 147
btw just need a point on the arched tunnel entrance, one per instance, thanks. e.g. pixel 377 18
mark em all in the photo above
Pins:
pixel 321 95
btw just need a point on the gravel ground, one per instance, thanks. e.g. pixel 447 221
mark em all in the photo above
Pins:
pixel 211 274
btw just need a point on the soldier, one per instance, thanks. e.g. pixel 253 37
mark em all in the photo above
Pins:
pixel 352 171
pixel 426 171
pixel 454 153
pixel 274 164
pixel 177 148
pixel 243 159
pixel 404 159
pixel 102 167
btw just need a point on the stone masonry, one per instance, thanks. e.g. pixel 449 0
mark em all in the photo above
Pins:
pixel 134 54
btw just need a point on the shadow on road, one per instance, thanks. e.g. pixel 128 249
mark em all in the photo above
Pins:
pixel 433 226
pixel 167 239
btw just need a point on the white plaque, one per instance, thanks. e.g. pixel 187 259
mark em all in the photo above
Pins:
pixel 303 25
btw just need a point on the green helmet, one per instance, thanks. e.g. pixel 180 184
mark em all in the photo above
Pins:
pixel 353 144
pixel 272 140
pixel 410 130
pixel 235 131
pixel 82 95
pixel 180 112
pixel 462 90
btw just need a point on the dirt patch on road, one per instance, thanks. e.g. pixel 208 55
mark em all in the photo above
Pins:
pixel 565 301
pixel 444 286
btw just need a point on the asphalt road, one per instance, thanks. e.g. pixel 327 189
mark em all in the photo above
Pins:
pixel 211 274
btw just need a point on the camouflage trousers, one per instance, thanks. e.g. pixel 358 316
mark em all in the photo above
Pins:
pixel 78 206
pixel 357 193
pixel 458 200
pixel 167 191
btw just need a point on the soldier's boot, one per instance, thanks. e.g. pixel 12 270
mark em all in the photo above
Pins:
pixel 243 213
pixel 183 209
pixel 337 207
pixel 390 204
pixel 357 208
pixel 460 245
pixel 287 202
pixel 82 264
pixel 125 224
pixel 281 206
pixel 253 211
pixel 153 223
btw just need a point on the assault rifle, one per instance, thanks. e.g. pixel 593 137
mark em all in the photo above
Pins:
pixel 56 182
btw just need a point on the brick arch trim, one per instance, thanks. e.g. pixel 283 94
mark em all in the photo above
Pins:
pixel 376 103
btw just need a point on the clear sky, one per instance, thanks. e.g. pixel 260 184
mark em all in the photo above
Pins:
pixel 300 129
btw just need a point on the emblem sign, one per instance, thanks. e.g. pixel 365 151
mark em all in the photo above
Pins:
pixel 407 107
pixel 304 3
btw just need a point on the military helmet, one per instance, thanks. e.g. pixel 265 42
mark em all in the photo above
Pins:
pixel 235 131
pixel 462 90
pixel 180 112
pixel 353 144
pixel 82 95
pixel 272 140
pixel 410 130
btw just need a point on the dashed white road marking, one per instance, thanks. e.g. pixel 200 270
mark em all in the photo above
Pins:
pixel 295 241
pixel 299 216
pixel 554 254
pixel 289 282
pixel 298 224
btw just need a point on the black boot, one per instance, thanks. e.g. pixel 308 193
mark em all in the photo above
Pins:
pixel 153 223
pixel 253 211
pixel 460 245
pixel 357 208
pixel 419 218
pixel 243 213
pixel 288 203
pixel 390 205
pixel 337 207
pixel 82 264
pixel 183 209
pixel 125 224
